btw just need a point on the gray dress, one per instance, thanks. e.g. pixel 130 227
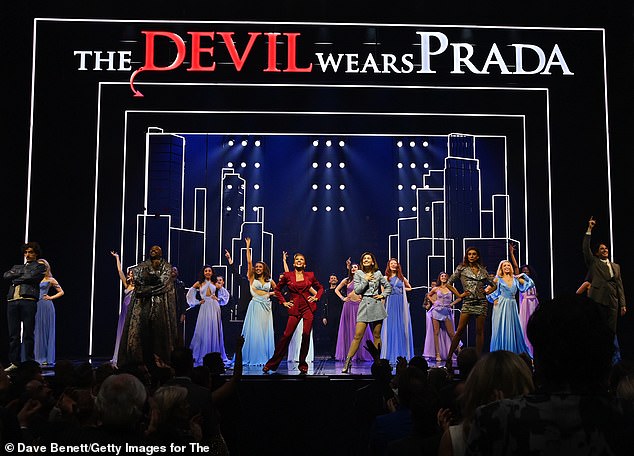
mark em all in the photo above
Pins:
pixel 371 309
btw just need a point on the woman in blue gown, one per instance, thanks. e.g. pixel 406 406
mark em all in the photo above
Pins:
pixel 506 329
pixel 257 330
pixel 208 335
pixel 396 333
pixel 44 334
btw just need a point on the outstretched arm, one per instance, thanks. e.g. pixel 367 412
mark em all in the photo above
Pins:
pixel 249 259
pixel 516 268
pixel 121 274
pixel 284 263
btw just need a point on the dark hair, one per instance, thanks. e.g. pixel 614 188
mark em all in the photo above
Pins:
pixel 465 260
pixel 266 273
pixel 32 245
pixel 375 267
pixel 202 273
pixel 562 351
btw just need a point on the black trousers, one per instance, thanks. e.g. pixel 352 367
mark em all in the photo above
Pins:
pixel 21 311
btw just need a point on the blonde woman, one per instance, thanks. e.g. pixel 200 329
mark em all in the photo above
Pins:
pixel 45 318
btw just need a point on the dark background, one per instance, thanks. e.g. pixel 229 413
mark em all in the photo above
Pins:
pixel 68 172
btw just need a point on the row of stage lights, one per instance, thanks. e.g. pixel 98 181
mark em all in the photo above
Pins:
pixel 243 165
pixel 329 165
pixel 328 208
pixel 411 165
pixel 244 143
pixel 412 144
pixel 328 143
pixel 328 187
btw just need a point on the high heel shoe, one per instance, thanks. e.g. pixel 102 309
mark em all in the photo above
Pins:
pixel 347 366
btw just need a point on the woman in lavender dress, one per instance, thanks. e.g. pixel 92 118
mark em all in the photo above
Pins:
pixel 128 288
pixel 396 333
pixel 208 336
pixel 440 322
pixel 44 333
pixel 528 298
pixel 348 320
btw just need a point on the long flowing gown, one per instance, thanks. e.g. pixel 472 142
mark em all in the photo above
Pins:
pixel 45 327
pixel 347 327
pixel 506 329
pixel 396 332
pixel 440 311
pixel 259 340
pixel 208 336
pixel 127 295
pixel 528 304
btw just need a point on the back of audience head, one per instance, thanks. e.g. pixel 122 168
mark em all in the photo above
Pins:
pixel 214 363
pixel 420 362
pixel 625 388
pixel 120 401
pixel 412 384
pixel 566 332
pixel 381 370
pixel 171 402
pixel 466 359
pixel 182 361
pixel 497 375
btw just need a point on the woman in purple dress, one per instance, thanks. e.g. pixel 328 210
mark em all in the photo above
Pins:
pixel 440 313
pixel 208 335
pixel 44 334
pixel 348 321
pixel 128 288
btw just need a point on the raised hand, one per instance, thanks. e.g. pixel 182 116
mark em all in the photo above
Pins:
pixel 591 222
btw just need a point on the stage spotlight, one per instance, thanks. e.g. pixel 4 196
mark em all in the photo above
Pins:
pixel 328 208
pixel 425 144
pixel 314 208
pixel 412 144
pixel 243 164
pixel 230 142
pixel 412 165
pixel 228 208
pixel 413 187
pixel 328 187
pixel 244 143
pixel 256 164
pixel 400 186
pixel 315 165
pixel 399 144
pixel 256 186
pixel 257 143
pixel 315 186
pixel 316 142
pixel 414 208
pixel 425 165
pixel 229 186
pixel 427 209
pixel 342 165
pixel 230 165
pixel 399 165
pixel 329 143
pixel 328 165
pixel 255 209
pixel 400 208
pixel 341 208
pixel 341 143
pixel 342 187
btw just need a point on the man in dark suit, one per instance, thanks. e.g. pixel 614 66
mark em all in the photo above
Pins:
pixel 606 286
pixel 22 303
pixel 301 305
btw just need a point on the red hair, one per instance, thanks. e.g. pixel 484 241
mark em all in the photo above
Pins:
pixel 399 272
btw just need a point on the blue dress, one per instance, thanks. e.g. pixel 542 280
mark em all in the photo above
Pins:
pixel 396 332
pixel 506 329
pixel 45 327
pixel 257 329
pixel 208 335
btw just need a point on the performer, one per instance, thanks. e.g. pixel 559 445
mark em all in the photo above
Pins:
pixel 506 329
pixel 244 288
pixel 396 332
pixel 473 276
pixel 295 345
pixel 258 322
pixel 181 305
pixel 45 318
pixel 208 336
pixel 302 305
pixel 128 288
pixel 606 285
pixel 331 316
pixel 348 321
pixel 150 325
pixel 528 299
pixel 370 284
pixel 440 312
pixel 22 303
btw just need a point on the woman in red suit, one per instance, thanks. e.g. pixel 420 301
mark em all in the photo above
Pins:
pixel 301 304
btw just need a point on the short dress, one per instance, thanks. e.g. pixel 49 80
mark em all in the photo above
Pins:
pixel 370 309
pixel 476 302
